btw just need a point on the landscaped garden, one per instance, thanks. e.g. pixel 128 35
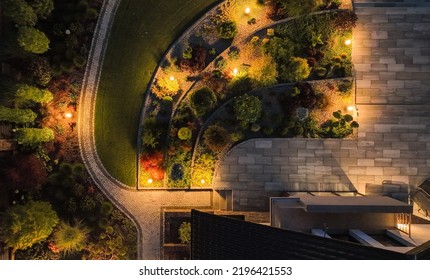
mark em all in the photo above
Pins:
pixel 248 69
pixel 141 33
pixel 50 208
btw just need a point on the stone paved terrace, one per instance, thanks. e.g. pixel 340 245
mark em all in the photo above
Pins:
pixel 391 54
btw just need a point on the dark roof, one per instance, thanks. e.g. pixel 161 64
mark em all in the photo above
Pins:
pixel 219 238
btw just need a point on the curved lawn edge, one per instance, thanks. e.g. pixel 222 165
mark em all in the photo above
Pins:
pixel 105 182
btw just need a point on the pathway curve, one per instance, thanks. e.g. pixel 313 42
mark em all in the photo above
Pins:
pixel 144 208
pixel 391 55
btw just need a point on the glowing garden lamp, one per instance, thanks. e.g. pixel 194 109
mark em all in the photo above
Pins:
pixel 247 10
pixel 235 71
pixel 172 78
pixel 68 115
pixel 351 108
pixel 202 181
pixel 150 181
pixel 348 42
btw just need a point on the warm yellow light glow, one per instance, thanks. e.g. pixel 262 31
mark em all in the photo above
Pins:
pixel 202 181
pixel 150 181
pixel 172 78
pixel 247 10
pixel 348 42
pixel 235 71
pixel 351 108
pixel 68 115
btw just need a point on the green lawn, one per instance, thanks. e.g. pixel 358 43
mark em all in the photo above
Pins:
pixel 141 33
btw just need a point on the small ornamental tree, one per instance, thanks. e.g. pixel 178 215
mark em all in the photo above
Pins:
pixel 32 40
pixel 227 29
pixel 296 70
pixel 202 101
pixel 32 137
pixel 26 94
pixel 20 12
pixel 216 138
pixel 247 109
pixel 69 238
pixel 25 225
pixel 185 233
pixel 17 116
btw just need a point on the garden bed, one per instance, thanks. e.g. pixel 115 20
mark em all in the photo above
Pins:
pixel 187 130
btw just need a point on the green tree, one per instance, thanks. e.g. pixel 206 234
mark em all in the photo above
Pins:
pixel 26 95
pixel 24 225
pixel 40 70
pixel 42 8
pixel 19 12
pixel 297 70
pixel 263 71
pixel 32 40
pixel 227 29
pixel 32 137
pixel 17 116
pixel 247 109
pixel 69 238
pixel 202 101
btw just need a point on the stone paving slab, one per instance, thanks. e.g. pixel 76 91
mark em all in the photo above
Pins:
pixel 391 55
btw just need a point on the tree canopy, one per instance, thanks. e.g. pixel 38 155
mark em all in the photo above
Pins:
pixel 26 94
pixel 17 116
pixel 33 136
pixel 20 12
pixel 42 8
pixel 32 40
pixel 25 225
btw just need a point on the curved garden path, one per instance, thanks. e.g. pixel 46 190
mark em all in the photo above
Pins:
pixel 143 207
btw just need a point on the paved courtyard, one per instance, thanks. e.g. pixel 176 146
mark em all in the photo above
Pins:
pixel 391 55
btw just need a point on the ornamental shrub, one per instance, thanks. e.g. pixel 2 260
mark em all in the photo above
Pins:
pixel 184 133
pixel 32 40
pixel 247 109
pixel 202 101
pixel 216 138
pixel 227 29
pixel 296 70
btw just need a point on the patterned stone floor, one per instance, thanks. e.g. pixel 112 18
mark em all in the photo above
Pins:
pixel 391 54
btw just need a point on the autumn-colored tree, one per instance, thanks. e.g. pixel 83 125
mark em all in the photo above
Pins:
pixel 23 172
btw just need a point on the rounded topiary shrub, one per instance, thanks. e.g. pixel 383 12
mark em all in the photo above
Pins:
pixel 227 29
pixel 247 109
pixel 216 138
pixel 79 61
pixel 297 69
pixel 184 133
pixel 202 101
